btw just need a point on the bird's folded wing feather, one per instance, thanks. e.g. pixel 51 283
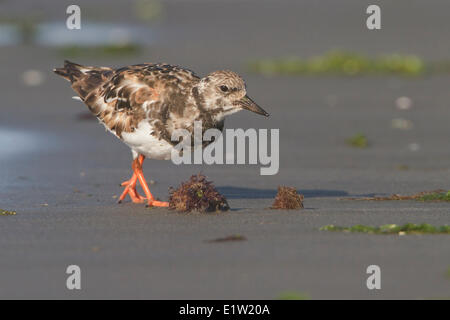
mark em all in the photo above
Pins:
pixel 138 92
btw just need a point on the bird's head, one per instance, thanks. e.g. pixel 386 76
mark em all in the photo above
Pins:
pixel 224 93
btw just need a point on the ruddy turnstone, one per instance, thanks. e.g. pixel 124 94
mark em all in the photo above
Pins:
pixel 143 104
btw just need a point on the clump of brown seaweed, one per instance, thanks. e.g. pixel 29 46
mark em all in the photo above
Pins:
pixel 197 194
pixel 287 198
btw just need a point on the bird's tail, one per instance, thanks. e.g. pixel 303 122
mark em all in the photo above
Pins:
pixel 71 71
pixel 83 79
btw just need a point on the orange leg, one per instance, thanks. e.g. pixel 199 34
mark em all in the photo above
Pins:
pixel 130 189
pixel 130 186
pixel 141 161
pixel 140 176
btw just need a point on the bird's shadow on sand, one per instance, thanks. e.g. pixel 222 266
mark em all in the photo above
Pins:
pixel 252 193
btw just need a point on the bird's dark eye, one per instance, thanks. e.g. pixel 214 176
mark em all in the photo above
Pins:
pixel 224 88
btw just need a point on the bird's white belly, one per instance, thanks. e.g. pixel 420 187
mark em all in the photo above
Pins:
pixel 143 142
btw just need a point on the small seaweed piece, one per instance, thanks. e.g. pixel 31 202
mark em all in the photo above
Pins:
pixel 287 198
pixel 293 295
pixel 358 141
pixel 435 195
pixel 197 194
pixel 409 228
pixel 7 213
pixel 229 239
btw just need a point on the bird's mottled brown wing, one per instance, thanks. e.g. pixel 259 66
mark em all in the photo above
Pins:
pixel 137 92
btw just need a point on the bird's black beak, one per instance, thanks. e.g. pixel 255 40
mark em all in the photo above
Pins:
pixel 249 104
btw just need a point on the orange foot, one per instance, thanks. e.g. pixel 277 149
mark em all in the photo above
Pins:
pixel 130 189
pixel 130 186
pixel 156 203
